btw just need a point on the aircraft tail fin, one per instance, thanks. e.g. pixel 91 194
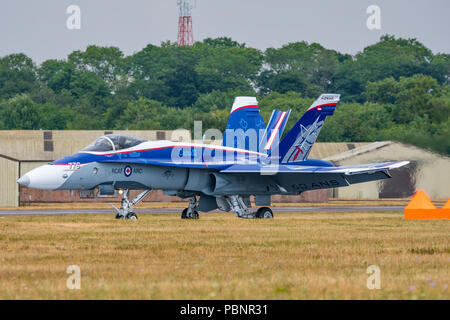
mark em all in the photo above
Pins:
pixel 297 144
pixel 244 116
pixel 274 130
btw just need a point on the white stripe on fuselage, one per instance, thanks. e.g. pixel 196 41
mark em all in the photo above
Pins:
pixel 162 144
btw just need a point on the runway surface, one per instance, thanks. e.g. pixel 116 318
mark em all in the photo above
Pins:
pixel 164 210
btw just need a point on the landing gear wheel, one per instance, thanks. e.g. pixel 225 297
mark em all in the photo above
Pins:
pixel 125 206
pixel 131 216
pixel 264 213
pixel 194 215
pixel 190 212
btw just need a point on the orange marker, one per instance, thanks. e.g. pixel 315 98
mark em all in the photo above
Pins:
pixel 421 208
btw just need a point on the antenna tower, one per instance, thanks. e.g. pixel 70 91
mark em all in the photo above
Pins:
pixel 185 32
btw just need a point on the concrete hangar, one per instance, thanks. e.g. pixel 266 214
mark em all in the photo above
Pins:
pixel 21 151
pixel 24 150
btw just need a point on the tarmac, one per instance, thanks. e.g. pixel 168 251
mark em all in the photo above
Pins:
pixel 276 210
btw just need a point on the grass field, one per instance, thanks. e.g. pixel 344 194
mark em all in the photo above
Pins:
pixel 182 204
pixel 294 256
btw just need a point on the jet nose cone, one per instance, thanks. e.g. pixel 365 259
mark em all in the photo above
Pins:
pixel 24 181
pixel 46 177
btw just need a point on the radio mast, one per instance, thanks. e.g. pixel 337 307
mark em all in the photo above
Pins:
pixel 185 31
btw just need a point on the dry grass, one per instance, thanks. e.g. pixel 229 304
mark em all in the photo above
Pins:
pixel 295 256
pixel 182 204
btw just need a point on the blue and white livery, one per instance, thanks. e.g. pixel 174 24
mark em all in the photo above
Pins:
pixel 252 161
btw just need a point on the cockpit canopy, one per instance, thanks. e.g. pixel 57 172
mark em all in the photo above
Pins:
pixel 113 142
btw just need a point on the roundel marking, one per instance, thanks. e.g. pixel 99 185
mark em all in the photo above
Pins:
pixel 127 171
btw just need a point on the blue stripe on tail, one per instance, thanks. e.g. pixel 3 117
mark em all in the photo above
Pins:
pixel 297 144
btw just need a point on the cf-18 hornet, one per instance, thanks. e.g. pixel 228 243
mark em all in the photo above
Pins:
pixel 252 161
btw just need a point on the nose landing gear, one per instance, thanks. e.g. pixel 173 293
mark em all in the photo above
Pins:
pixel 125 211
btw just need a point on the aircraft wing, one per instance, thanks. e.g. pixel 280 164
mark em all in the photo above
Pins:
pixel 232 167
pixel 346 174
pixel 347 170
pixel 341 176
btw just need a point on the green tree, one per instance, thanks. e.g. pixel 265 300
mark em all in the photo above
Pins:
pixel 298 65
pixel 417 97
pixel 20 112
pixel 17 75
pixel 439 68
pixel 395 89
pixel 177 76
pixel 227 67
pixel 218 100
pixel 353 122
pixel 290 100
pixel 390 57
pixel 383 91
pixel 223 42
pixel 106 62
pixel 164 74
pixel 147 114
pixel 54 118
pixel 413 97
pixel 56 74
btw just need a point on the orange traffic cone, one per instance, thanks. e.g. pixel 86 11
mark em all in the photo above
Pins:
pixel 446 210
pixel 447 205
pixel 420 207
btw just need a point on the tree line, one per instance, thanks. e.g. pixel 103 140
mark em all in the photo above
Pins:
pixel 396 89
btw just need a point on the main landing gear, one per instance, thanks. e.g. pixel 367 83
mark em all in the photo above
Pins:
pixel 191 211
pixel 240 206
pixel 125 211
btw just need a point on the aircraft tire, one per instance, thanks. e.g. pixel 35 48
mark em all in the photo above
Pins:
pixel 131 216
pixel 195 215
pixel 264 213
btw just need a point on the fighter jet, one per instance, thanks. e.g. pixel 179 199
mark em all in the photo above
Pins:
pixel 252 161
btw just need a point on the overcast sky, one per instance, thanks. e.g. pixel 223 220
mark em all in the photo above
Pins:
pixel 38 28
